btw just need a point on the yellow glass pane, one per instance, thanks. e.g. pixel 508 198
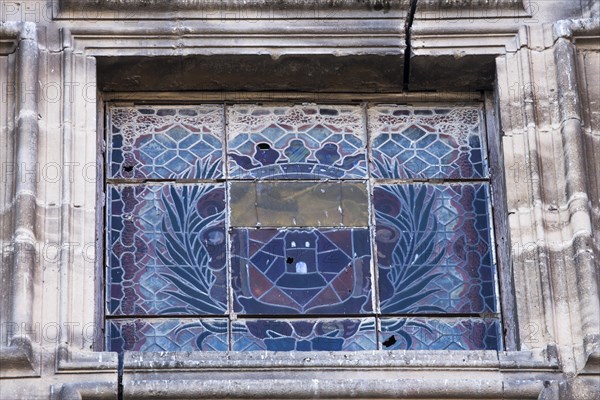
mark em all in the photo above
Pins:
pixel 301 204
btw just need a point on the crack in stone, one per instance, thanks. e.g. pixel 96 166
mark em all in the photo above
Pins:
pixel 408 48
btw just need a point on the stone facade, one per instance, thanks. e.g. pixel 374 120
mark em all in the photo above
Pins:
pixel 535 64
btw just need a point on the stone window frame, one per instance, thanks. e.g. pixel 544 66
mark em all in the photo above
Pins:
pixel 537 369
pixel 81 124
pixel 141 370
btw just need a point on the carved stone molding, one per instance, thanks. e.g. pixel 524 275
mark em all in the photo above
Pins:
pixel 87 390
pixel 591 344
pixel 454 43
pixel 392 388
pixel 576 27
pixel 472 4
pixel 337 375
pixel 459 45
pixel 543 138
pixel 577 189
pixel 347 4
pixel 162 5
pixel 70 361
pixel 458 56
pixel 20 358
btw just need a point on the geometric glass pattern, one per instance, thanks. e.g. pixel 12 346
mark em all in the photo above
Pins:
pixel 434 250
pixel 166 142
pixel 168 335
pixel 298 142
pixel 304 335
pixel 301 271
pixel 440 334
pixel 426 143
pixel 262 228
pixel 166 248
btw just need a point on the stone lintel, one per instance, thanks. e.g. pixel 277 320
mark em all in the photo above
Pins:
pixel 298 72
pixel 176 5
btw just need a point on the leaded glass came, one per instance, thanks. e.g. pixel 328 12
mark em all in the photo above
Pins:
pixel 299 228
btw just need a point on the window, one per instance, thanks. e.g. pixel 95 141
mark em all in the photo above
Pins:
pixel 299 227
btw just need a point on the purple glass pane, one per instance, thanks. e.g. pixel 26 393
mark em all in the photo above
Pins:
pixel 409 143
pixel 304 335
pixel 165 143
pixel 313 142
pixel 301 271
pixel 167 335
pixel 166 250
pixel 434 249
pixel 440 334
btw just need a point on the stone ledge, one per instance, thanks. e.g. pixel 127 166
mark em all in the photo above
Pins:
pixel 576 27
pixel 591 345
pixel 274 38
pixel 69 361
pixel 431 360
pixel 11 33
pixel 20 359
pixel 377 374
pixel 87 390
pixel 391 388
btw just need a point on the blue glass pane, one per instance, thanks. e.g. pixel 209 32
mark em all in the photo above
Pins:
pixel 440 334
pixel 167 335
pixel 166 249
pixel 166 143
pixel 313 142
pixel 410 143
pixel 304 335
pixel 434 248
pixel 301 271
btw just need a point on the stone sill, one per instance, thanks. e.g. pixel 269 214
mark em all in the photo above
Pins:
pixel 339 361
pixel 369 374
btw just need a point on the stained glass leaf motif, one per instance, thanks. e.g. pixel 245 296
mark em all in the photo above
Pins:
pixel 160 335
pixel 424 143
pixel 186 251
pixel 158 142
pixel 166 249
pixel 304 335
pixel 440 334
pixel 413 255
pixel 298 142
pixel 434 248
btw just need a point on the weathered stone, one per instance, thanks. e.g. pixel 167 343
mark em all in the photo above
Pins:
pixel 539 62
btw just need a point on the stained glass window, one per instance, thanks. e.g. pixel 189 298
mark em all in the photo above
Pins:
pixel 299 228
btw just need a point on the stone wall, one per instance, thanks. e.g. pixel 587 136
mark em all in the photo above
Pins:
pixel 535 64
